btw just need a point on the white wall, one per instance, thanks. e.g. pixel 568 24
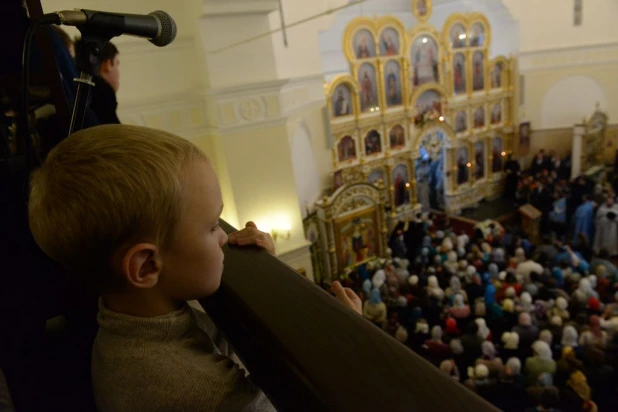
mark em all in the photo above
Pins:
pixel 569 100
pixel 548 24
pixel 149 72
pixel 305 167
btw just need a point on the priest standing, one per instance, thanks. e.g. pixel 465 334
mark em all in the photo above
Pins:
pixel 606 236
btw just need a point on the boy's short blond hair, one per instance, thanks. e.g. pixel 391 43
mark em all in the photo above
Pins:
pixel 104 188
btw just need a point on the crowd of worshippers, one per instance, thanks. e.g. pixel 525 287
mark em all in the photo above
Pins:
pixel 581 207
pixel 523 326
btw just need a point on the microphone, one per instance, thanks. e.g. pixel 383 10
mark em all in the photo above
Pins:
pixel 158 27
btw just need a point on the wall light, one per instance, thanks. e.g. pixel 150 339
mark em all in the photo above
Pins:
pixel 284 234
pixel 503 154
pixel 462 36
pixel 372 109
pixel 424 39
pixel 377 109
pixel 408 185
pixel 441 118
pixel 469 164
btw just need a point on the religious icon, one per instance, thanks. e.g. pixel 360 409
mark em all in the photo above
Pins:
pixel 346 149
pixel 496 114
pixel 392 80
pixel 478 71
pixel 424 55
pixel 496 76
pixel 389 42
pixel 337 180
pixel 477 35
pixel 428 102
pixel 461 121
pixel 479 117
pixel 364 44
pixel 496 153
pixel 367 81
pixel 341 101
pixel 372 143
pixel 459 70
pixel 524 138
pixel 375 176
pixel 357 239
pixel 397 137
pixel 479 159
pixel 422 8
pixel 462 165
pixel 401 183
pixel 458 36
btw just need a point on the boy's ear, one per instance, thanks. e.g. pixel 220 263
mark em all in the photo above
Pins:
pixel 141 265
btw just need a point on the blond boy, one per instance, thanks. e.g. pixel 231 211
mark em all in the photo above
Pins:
pixel 134 212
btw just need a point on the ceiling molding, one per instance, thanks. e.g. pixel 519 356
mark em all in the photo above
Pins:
pixel 238 7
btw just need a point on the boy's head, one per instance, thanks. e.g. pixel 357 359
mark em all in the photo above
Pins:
pixel 129 210
pixel 109 66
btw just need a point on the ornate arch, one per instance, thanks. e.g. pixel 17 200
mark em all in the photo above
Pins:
pixel 452 20
pixel 430 126
pixel 385 22
pixel 354 26
pixel 480 18
pixel 348 81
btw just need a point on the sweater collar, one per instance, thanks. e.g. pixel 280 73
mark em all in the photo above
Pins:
pixel 172 325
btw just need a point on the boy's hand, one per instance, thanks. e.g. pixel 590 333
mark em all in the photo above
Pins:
pixel 347 297
pixel 250 235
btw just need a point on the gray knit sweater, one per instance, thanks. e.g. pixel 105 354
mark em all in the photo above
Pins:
pixel 166 363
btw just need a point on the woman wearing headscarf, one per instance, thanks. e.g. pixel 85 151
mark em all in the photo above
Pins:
pixel 449 367
pixel 459 310
pixel 570 338
pixel 489 359
pixel 455 288
pixel 541 362
pixel 375 310
pixel 437 350
pixel 567 364
pixel 576 395
pixel 594 336
pixel 483 330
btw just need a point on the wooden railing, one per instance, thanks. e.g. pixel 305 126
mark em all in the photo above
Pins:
pixel 310 353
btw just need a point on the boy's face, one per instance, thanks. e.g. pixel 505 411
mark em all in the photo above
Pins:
pixel 193 263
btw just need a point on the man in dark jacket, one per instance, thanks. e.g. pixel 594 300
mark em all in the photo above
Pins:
pixel 104 103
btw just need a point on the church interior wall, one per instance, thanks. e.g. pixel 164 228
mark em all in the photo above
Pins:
pixel 598 23
pixel 143 64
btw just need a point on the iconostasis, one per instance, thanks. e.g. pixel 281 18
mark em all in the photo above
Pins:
pixel 424 115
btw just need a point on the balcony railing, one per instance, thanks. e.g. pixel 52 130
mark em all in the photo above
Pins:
pixel 310 353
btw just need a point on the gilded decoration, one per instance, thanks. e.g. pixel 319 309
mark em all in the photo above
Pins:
pixel 423 119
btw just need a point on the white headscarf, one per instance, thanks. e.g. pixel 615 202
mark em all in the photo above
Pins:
pixel 542 350
pixel 569 336
pixel 510 292
pixel 562 303
pixel 455 284
pixel 436 333
pixel 546 336
pixel 514 365
pixel 413 280
pixel 526 302
pixel 458 301
pixel 483 331
pixel 489 349
pixel 456 347
pixel 510 340
pixel 379 278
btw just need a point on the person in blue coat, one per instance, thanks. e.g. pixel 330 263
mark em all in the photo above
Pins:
pixel 584 219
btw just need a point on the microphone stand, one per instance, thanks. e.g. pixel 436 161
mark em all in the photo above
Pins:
pixel 88 60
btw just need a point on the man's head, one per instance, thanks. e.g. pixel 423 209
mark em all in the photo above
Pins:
pixel 131 211
pixel 108 68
